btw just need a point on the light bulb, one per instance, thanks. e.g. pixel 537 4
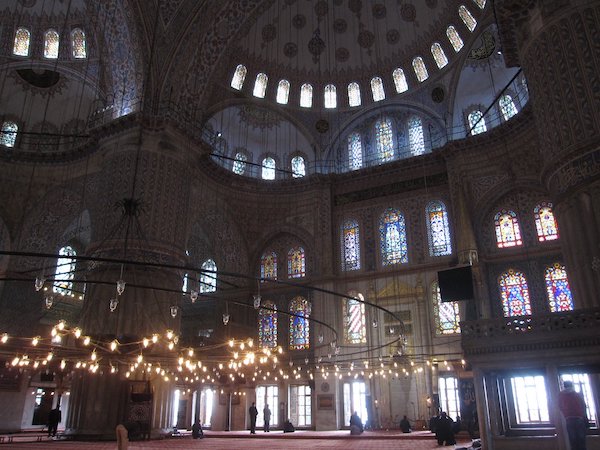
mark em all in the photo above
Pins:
pixel 225 319
pixel 193 296
pixel 39 283
pixel 174 310
pixel 320 339
pixel 49 301
pixel 112 305
pixel 257 300
pixel 120 287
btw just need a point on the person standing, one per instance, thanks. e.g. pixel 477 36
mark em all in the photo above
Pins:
pixel 54 418
pixel 267 414
pixel 572 407
pixel 253 412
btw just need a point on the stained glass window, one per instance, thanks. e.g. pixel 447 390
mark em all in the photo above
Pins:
pixel 268 265
pixel 355 323
pixel 238 77
pixel 22 41
pixel 454 38
pixel 439 55
pixel 545 223
pixel 400 80
pixel 438 229
pixel 420 69
pixel 267 325
pixel 65 271
pixel 384 140
pixel 446 314
pixel 350 245
pixel 306 95
pixel 51 41
pixel 480 3
pixel 208 277
pixel 239 165
pixel 416 140
pixel 298 167
pixel 283 92
pixel 467 17
pixel 260 85
pixel 507 106
pixel 299 324
pixel 296 263
pixel 355 159
pixel 8 136
pixel 392 232
pixel 330 96
pixel 476 122
pixel 557 287
pixel 78 43
pixel 508 233
pixel 514 293
pixel 354 94
pixel 268 169
pixel 377 89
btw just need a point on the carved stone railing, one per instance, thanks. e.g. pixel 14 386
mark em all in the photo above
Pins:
pixel 510 333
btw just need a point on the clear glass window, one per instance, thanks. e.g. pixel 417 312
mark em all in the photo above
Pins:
pixel 238 77
pixel 354 94
pixel 330 96
pixel 306 95
pixel 8 135
pixel 400 80
pixel 449 396
pixel 530 399
pixel 420 69
pixel 268 168
pixel 454 38
pixel 476 122
pixel 439 55
pixel 467 17
pixel 377 89
pixel 283 92
pixel 260 85
pixel 208 277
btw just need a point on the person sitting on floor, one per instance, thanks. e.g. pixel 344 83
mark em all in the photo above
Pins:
pixel 405 425
pixel 356 425
pixel 444 432
pixel 197 432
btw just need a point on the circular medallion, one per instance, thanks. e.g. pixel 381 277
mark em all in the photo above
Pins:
pixel 340 26
pixel 366 39
pixel 408 12
pixel 342 54
pixel 298 21
pixel 269 32
pixel 392 36
pixel 321 8
pixel 322 126
pixel 290 49
pixel 438 94
pixel 379 11
pixel 355 6
pixel 325 387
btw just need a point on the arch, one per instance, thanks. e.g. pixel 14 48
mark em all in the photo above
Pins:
pixel 420 69
pixel 22 42
pixel 392 235
pixel 467 17
pixel 545 222
pixel 51 44
pixel 330 95
pixel 454 38
pixel 350 245
pixel 296 260
pixel 439 55
pixel 514 293
pixel 283 92
pixel 557 288
pixel 237 81
pixel 267 325
pixel 300 310
pixel 507 107
pixel 260 85
pixel 268 167
pixel 298 167
pixel 354 94
pixel 306 97
pixel 438 229
pixel 476 122
pixel 78 44
pixel 377 89
pixel 268 265
pixel 399 80
pixel 508 232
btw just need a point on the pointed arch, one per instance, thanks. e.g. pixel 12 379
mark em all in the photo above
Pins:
pixel 300 310
pixel 237 81
pixel 438 229
pixel 508 232
pixel 392 235
pixel 267 325
pixel 296 263
pixel 355 322
pixel 545 222
pixel 514 293
pixel 268 265
pixel 557 288
pixel 78 44
pixel 51 44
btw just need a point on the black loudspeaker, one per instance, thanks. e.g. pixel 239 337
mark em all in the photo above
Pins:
pixel 456 284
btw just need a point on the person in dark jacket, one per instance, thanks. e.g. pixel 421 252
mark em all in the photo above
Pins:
pixel 197 432
pixel 356 425
pixel 405 425
pixel 54 418
pixel 444 431
pixel 253 412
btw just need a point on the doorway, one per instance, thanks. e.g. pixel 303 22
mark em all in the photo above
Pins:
pixel 355 399
pixel 267 395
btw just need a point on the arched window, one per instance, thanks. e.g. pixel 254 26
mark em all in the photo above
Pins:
pixel 267 325
pixel 355 159
pixel 508 233
pixel 238 77
pixel 268 265
pixel 268 168
pixel 507 106
pixel 78 44
pixel 446 314
pixel 22 41
pixel 557 287
pixel 208 277
pixel 392 235
pixel 467 17
pixel 437 229
pixel 355 322
pixel 330 96
pixel 185 283
pixel 384 139
pixel 354 94
pixel 260 85
pixel 51 42
pixel 298 167
pixel 306 95
pixel 239 165
pixel 283 92
pixel 420 69
pixel 545 223
pixel 299 324
pixel 350 245
pixel 296 263
pixel 476 122
pixel 439 55
pixel 514 293
pixel 416 140
pixel 65 271
pixel 454 38
pixel 480 3
pixel 8 136
pixel 377 89
pixel 400 80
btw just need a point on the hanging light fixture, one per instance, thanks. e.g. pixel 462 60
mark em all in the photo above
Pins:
pixel 121 283
pixel 114 302
pixel 49 301
pixel 174 309
pixel 193 295
pixel 225 318
pixel 257 300
pixel 39 283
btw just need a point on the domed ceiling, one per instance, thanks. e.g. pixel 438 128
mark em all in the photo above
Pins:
pixel 342 39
